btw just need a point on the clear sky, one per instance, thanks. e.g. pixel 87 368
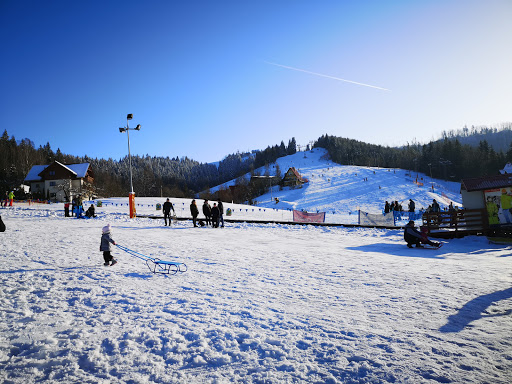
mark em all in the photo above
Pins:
pixel 209 78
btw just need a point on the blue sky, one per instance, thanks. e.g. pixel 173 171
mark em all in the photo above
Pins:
pixel 198 75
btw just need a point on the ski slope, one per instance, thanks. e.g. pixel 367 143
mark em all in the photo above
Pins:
pixel 341 190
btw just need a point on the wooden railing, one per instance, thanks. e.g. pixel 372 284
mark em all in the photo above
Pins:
pixel 457 223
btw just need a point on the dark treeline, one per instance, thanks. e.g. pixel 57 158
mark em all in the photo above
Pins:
pixel 152 176
pixel 446 159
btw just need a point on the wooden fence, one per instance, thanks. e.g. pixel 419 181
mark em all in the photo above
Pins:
pixel 458 223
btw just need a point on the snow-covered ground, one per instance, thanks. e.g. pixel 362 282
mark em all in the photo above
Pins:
pixel 258 304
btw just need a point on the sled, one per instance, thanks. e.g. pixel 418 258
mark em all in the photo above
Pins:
pixel 165 267
pixel 155 265
pixel 426 246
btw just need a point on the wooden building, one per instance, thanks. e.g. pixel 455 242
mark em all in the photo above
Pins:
pixel 58 182
pixel 292 178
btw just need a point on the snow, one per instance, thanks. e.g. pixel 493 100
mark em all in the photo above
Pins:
pixel 260 303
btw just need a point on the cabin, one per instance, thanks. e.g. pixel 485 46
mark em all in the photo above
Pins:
pixel 292 178
pixel 59 182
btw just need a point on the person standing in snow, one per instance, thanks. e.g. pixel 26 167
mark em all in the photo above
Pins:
pixel 106 240
pixel 386 207
pixel 167 211
pixel 11 198
pixel 221 213
pixel 215 216
pixel 412 208
pixel 194 211
pixel 207 212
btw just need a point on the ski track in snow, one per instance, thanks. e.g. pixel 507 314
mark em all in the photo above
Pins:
pixel 258 304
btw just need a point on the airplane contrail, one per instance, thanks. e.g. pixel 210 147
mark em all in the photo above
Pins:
pixel 329 77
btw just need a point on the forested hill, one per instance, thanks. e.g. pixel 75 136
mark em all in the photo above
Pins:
pixel 469 152
pixel 448 158
pixel 498 138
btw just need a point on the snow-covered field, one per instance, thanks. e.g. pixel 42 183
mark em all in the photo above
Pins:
pixel 258 304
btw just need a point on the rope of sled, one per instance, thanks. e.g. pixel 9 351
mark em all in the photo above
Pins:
pixel 156 265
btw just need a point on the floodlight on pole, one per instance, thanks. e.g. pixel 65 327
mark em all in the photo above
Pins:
pixel 132 193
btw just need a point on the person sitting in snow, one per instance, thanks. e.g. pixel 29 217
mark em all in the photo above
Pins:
pixel 414 237
pixel 106 240
pixel 90 212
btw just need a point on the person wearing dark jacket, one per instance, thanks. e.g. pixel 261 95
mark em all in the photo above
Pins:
pixel 414 237
pixel 221 213
pixel 207 212
pixel 194 211
pixel 90 212
pixel 215 216
pixel 167 211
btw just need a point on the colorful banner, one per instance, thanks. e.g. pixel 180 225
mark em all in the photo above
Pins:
pixel 305 217
pixel 499 205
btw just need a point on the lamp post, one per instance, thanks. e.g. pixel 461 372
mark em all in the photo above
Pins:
pixel 131 198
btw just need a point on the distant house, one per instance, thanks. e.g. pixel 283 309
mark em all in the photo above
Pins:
pixel 293 178
pixel 59 182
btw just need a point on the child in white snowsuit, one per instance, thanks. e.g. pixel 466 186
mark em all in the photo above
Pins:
pixel 106 240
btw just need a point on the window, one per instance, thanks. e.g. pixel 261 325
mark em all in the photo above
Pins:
pixel 52 173
pixel 53 183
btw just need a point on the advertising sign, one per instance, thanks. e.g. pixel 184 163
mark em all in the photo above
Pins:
pixel 499 205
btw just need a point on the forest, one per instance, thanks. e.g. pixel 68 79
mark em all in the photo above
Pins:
pixel 152 176
pixel 470 152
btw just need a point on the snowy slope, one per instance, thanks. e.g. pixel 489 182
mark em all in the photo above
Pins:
pixel 341 190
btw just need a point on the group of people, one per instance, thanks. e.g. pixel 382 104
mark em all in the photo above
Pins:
pixel 213 216
pixel 8 199
pixel 394 206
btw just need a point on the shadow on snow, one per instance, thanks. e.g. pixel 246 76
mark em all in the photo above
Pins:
pixel 476 309
pixel 400 249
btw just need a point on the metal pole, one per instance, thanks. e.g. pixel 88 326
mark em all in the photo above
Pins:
pixel 129 155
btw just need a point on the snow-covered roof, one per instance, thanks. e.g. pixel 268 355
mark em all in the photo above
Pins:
pixel 507 169
pixel 33 174
pixel 80 170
